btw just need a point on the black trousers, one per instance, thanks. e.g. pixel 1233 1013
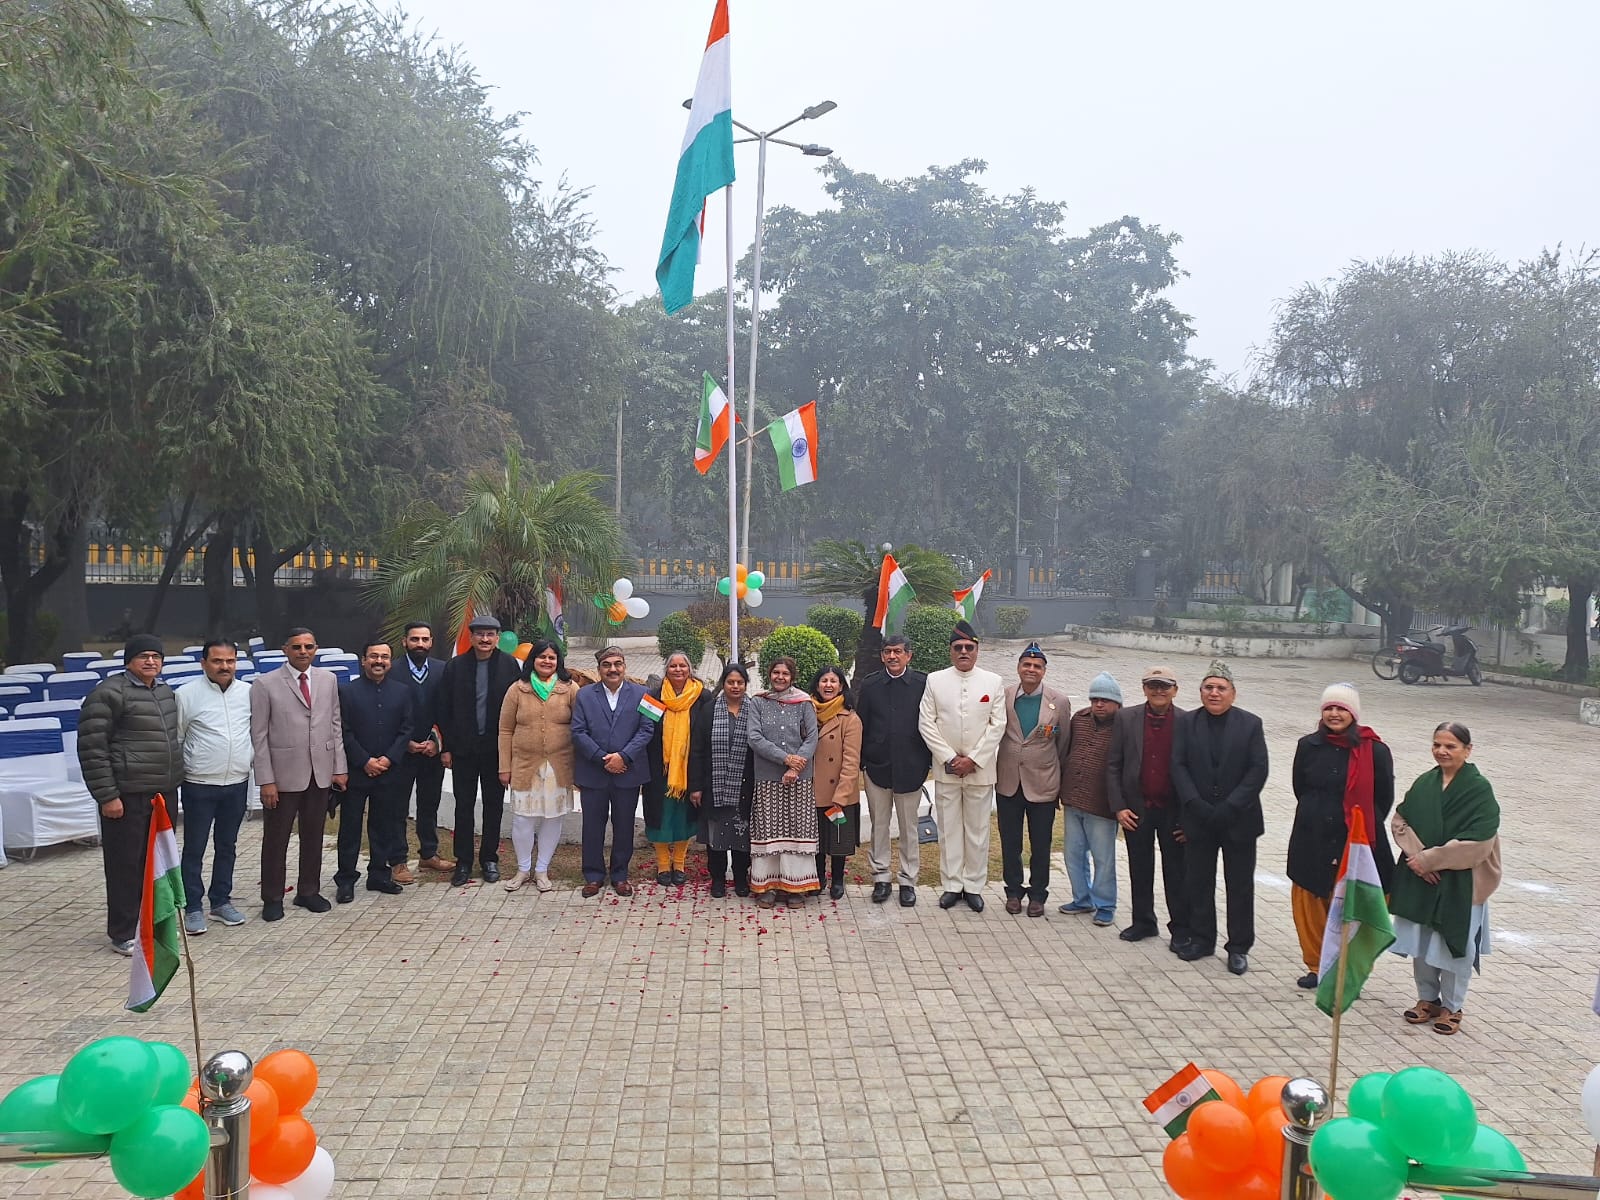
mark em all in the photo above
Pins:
pixel 1011 813
pixel 384 809
pixel 717 862
pixel 617 806
pixel 467 775
pixel 429 776
pixel 123 843
pixel 1239 882
pixel 1157 826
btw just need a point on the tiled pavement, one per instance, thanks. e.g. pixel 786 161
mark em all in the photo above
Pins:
pixel 474 1043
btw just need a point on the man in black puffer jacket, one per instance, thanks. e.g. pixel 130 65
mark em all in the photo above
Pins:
pixel 129 749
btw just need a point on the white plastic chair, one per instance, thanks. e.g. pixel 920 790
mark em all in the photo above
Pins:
pixel 105 666
pixel 39 669
pixel 184 659
pixel 34 684
pixel 171 672
pixel 71 685
pixel 67 712
pixel 194 649
pixel 79 660
pixel 257 644
pixel 39 804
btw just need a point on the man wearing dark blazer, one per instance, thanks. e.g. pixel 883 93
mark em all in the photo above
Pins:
pixel 423 757
pixel 894 762
pixel 609 737
pixel 468 713
pixel 1139 789
pixel 1219 766
pixel 376 709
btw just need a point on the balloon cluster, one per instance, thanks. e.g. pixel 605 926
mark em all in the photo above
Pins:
pixel 122 1097
pixel 509 644
pixel 1416 1115
pixel 1233 1146
pixel 285 1161
pixel 622 603
pixel 744 584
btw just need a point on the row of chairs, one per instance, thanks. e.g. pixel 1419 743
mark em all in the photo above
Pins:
pixel 41 803
pixel 35 682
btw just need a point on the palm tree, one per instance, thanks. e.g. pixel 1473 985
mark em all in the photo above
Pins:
pixel 852 568
pixel 498 553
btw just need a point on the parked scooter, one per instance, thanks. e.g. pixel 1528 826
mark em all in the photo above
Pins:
pixel 1426 659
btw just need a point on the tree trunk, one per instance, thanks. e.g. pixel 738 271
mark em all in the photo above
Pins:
pixel 870 642
pixel 68 597
pixel 1579 589
pixel 268 559
pixel 218 574
pixel 24 585
pixel 178 545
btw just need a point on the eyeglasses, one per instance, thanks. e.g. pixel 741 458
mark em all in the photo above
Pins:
pixel 963 646
pixel 1214 687
pixel 1155 685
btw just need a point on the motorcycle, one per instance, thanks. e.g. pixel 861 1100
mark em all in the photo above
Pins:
pixel 1426 659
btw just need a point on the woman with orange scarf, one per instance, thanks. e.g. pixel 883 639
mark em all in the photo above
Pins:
pixel 669 819
pixel 1342 765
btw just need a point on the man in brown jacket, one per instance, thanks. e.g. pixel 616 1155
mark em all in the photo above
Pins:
pixel 1028 778
pixel 1091 834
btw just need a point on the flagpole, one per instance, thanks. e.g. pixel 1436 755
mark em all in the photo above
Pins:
pixel 733 452
pixel 194 991
pixel 1338 1014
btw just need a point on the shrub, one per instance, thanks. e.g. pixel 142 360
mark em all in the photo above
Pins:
pixel 1231 617
pixel 928 628
pixel 1540 668
pixel 676 632
pixel 1555 614
pixel 841 626
pixel 810 649
pixel 1011 619
pixel 1108 618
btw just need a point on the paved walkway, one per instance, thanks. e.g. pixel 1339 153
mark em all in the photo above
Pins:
pixel 474 1043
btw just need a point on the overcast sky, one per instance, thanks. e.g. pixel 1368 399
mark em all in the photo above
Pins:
pixel 1279 140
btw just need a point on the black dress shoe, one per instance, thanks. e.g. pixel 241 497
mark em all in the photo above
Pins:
pixel 974 901
pixel 1192 951
pixel 680 878
pixel 272 910
pixel 1307 981
pixel 1238 964
pixel 908 896
pixel 741 887
pixel 949 899
pixel 1176 944
pixel 719 889
pixel 1134 934
pixel 491 872
pixel 880 892
pixel 344 892
pixel 836 889
pixel 664 878
pixel 316 904
pixel 387 886
pixel 462 877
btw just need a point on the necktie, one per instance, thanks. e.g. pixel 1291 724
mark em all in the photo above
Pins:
pixel 305 689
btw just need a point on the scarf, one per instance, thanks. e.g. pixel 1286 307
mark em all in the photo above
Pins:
pixel 542 687
pixel 828 710
pixel 790 695
pixel 1358 776
pixel 1466 810
pixel 675 734
pixel 730 747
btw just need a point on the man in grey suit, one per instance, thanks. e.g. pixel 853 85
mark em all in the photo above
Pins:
pixel 1028 778
pixel 299 756
pixel 1139 788
pixel 609 738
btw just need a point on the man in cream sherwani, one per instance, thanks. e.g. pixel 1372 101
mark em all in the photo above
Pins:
pixel 962 720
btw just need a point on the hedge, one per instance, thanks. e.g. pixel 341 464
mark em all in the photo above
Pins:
pixel 810 649
pixel 928 629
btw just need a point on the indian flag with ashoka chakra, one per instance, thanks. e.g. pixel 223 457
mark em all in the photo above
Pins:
pixel 894 597
pixel 795 439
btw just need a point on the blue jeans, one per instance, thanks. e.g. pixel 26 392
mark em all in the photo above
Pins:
pixel 203 805
pixel 1091 837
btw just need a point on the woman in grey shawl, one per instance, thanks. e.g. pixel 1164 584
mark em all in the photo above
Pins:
pixel 783 820
pixel 722 781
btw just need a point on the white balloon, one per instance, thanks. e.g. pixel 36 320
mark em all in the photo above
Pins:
pixel 1591 1104
pixel 753 597
pixel 637 606
pixel 268 1191
pixel 315 1182
pixel 622 589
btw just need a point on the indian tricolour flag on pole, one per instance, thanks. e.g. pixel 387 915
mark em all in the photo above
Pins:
pixel 652 708
pixel 794 437
pixel 705 163
pixel 967 598
pixel 715 420
pixel 1358 906
pixel 894 597
pixel 155 953
pixel 555 623
pixel 1172 1103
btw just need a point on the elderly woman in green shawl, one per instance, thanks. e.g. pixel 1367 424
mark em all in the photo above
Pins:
pixel 1448 831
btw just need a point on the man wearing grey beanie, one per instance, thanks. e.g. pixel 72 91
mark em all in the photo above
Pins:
pixel 1091 830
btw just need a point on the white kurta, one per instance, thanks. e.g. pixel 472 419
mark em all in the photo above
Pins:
pixel 963 713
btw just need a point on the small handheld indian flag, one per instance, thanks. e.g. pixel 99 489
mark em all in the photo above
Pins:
pixel 155 955
pixel 712 434
pixel 967 598
pixel 834 814
pixel 652 708
pixel 894 597
pixel 1173 1102
pixel 1358 922
pixel 794 437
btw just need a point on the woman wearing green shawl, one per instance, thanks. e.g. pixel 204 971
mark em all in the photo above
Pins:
pixel 1448 831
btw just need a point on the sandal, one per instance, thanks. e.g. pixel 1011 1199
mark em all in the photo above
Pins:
pixel 1422 1012
pixel 1448 1022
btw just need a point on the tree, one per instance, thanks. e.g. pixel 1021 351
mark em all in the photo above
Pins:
pixel 851 568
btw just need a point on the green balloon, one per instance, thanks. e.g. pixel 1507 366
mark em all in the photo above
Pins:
pixel 755 580
pixel 172 1073
pixel 32 1107
pixel 160 1152
pixel 1428 1115
pixel 1366 1097
pixel 725 585
pixel 108 1085
pixel 1353 1160
pixel 508 640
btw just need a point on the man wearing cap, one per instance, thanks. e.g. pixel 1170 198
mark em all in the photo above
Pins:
pixel 962 719
pixel 1219 766
pixel 611 731
pixel 895 761
pixel 468 713
pixel 130 750
pixel 1139 790
pixel 1028 778
pixel 1091 833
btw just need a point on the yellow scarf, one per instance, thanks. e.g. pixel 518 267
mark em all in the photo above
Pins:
pixel 829 710
pixel 675 734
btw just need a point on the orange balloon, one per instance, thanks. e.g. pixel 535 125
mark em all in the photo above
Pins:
pixel 292 1075
pixel 264 1111
pixel 740 588
pixel 1222 1137
pixel 195 1189
pixel 739 574
pixel 1227 1090
pixel 1191 1178
pixel 1266 1096
pixel 1269 1141
pixel 285 1155
pixel 618 612
pixel 191 1100
pixel 521 652
pixel 1256 1186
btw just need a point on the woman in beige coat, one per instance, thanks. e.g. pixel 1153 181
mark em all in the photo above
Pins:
pixel 837 776
pixel 536 760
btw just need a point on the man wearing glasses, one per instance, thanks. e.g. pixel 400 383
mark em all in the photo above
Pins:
pixel 1139 788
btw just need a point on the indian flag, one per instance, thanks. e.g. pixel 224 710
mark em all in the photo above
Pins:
pixel 554 622
pixel 715 419
pixel 155 956
pixel 967 598
pixel 795 439
pixel 705 163
pixel 1358 927
pixel 652 708
pixel 1174 1101
pixel 834 814
pixel 894 597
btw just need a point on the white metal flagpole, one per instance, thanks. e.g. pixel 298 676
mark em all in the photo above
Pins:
pixel 733 454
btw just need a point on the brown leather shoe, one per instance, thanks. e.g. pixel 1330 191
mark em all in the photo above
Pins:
pixel 1013 905
pixel 438 864
pixel 1036 908
pixel 622 888
pixel 591 890
pixel 402 874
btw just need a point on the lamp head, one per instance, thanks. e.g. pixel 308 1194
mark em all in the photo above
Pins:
pixel 819 110
pixel 815 151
